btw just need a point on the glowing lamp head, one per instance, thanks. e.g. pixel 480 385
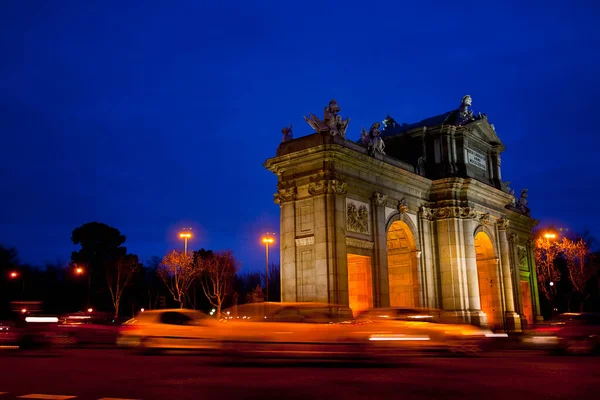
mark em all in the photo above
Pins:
pixel 142 310
pixel 550 235
pixel 79 270
pixel 24 310
pixel 90 309
pixel 268 239
pixel 14 274
pixel 551 283
pixel 185 235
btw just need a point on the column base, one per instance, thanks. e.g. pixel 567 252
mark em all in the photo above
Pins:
pixel 513 321
pixel 478 318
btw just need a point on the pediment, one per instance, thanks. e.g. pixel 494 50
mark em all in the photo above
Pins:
pixel 484 131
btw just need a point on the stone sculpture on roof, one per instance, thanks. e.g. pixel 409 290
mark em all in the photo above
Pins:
pixel 464 114
pixel 372 139
pixel 332 122
pixel 287 134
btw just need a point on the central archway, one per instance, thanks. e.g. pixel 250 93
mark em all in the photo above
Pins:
pixel 402 266
pixel 487 273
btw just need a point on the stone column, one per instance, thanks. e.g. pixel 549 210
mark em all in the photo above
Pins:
pixel 477 316
pixel 513 321
pixel 285 197
pixel 381 289
pixel 513 241
pixel 427 258
pixel 459 285
pixel 534 281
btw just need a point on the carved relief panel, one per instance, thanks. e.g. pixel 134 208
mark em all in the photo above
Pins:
pixel 358 215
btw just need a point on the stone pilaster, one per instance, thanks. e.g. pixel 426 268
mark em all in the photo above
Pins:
pixel 286 197
pixel 534 281
pixel 331 263
pixel 427 260
pixel 513 321
pixel 381 287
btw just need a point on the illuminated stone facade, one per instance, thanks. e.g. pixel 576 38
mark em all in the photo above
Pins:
pixel 426 223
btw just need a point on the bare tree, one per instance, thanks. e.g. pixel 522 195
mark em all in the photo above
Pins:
pixel 178 271
pixel 218 271
pixel 546 252
pixel 118 276
pixel 577 254
pixel 256 296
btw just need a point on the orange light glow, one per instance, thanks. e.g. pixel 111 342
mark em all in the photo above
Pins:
pixel 79 270
pixel 24 310
pixel 268 239
pixel 550 236
pixel 185 235
pixel 90 309
pixel 14 274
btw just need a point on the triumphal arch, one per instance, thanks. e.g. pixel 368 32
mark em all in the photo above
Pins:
pixel 412 215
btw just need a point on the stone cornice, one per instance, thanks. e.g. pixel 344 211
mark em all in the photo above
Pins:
pixel 469 189
pixel 353 155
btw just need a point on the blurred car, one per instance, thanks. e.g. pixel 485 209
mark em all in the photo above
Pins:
pixel 34 330
pixel 429 329
pixel 156 330
pixel 9 336
pixel 571 333
pixel 297 330
pixel 87 328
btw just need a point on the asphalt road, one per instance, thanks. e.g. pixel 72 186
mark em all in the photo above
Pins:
pixel 107 374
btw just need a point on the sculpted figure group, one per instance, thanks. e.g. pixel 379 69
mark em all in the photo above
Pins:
pixel 332 122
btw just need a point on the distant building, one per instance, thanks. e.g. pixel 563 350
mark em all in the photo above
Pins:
pixel 412 215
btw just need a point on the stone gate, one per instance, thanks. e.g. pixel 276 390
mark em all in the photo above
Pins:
pixel 411 215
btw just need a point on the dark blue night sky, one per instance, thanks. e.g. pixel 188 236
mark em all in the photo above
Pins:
pixel 150 116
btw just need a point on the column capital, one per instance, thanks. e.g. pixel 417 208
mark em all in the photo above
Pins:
pixel 327 183
pixel 503 224
pixel 285 192
pixel 379 199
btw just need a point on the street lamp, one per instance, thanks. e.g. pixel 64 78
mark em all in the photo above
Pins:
pixel 79 271
pixel 185 235
pixel 550 236
pixel 267 239
pixel 15 275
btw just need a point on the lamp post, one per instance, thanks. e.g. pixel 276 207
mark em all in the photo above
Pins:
pixel 79 271
pixel 267 239
pixel 16 275
pixel 185 235
pixel 549 236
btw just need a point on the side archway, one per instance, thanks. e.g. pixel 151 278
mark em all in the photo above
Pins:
pixel 403 271
pixel 489 279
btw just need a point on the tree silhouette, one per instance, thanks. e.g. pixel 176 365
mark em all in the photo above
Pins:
pixel 101 247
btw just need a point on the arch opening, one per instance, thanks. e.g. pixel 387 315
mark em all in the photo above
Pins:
pixel 487 274
pixel 402 266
